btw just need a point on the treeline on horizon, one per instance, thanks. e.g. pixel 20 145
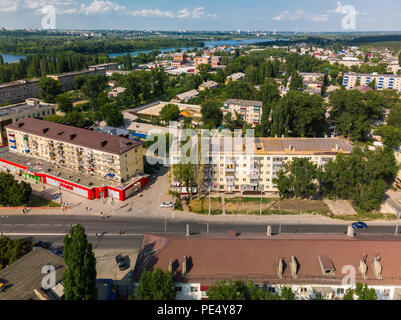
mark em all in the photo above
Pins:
pixel 42 65
pixel 326 41
pixel 55 44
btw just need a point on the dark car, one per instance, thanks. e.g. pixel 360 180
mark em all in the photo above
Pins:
pixel 122 262
pixel 58 251
pixel 359 225
pixel 42 244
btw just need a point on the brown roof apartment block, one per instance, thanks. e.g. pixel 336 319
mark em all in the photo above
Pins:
pixel 254 257
pixel 77 136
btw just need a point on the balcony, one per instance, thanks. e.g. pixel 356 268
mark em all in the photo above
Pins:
pixel 254 177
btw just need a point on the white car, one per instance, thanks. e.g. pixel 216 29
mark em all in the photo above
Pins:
pixel 167 205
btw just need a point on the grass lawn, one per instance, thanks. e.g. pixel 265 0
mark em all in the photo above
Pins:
pixel 37 201
pixel 363 215
pixel 249 199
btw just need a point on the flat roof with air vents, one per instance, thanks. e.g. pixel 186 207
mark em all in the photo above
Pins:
pixel 77 136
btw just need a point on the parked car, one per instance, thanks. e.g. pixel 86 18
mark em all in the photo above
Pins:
pixel 58 251
pixel 122 262
pixel 359 225
pixel 168 204
pixel 2 286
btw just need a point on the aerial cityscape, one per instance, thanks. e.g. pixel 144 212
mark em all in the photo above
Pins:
pixel 214 151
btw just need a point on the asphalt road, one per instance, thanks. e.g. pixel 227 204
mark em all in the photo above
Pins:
pixel 136 227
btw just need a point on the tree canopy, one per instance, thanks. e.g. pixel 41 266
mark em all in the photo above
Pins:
pixel 80 276
pixel 155 285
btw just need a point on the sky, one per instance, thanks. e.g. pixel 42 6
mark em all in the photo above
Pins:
pixel 207 15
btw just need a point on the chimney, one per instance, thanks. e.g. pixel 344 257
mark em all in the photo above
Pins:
pixel 377 268
pixel 269 230
pixel 187 231
pixel 184 267
pixel 282 136
pixel 350 231
pixel 280 269
pixel 294 267
pixel 325 135
pixel 44 130
pixel 363 268
pixel 103 143
pixel 290 147
pixel 337 147
pixel 21 124
pixel 72 136
pixel 170 266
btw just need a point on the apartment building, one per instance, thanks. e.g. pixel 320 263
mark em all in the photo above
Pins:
pixel 17 91
pixel 250 111
pixel 31 108
pixel 107 66
pixel 215 61
pixel 235 77
pixel 201 60
pixel 66 79
pixel 88 163
pixel 312 76
pixel 310 265
pixel 233 168
pixel 180 56
pixel 383 81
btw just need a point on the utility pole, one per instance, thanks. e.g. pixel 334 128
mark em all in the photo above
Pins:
pixel 209 200
pixel 61 197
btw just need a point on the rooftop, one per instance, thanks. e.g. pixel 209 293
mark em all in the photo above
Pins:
pixel 241 102
pixel 303 145
pixel 77 136
pixel 212 257
pixel 18 83
pixel 23 107
pixel 25 274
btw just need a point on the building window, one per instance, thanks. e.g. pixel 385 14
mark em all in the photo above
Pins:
pixel 178 289
pixel 194 289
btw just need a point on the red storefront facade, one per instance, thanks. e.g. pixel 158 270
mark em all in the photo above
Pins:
pixel 90 193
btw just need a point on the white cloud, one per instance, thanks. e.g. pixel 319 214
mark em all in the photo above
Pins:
pixel 319 17
pixel 152 13
pixel 101 7
pixel 7 6
pixel 195 13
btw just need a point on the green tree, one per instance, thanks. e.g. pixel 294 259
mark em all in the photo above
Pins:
pixel 365 293
pixel 394 117
pixel 155 285
pixel 204 70
pixel 169 112
pixel 64 103
pixel 93 86
pixel 297 179
pixel 361 177
pixel 12 250
pixel 112 115
pixel 80 276
pixel 212 115
pixel 287 293
pixel 12 192
pixel 49 89
pixel 372 84
pixel 354 112
pixel 349 294
pixel 185 174
pixel 296 81
pixel 391 136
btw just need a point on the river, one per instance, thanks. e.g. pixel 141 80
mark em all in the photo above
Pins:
pixel 11 58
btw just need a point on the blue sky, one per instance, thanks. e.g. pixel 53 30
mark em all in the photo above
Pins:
pixel 284 15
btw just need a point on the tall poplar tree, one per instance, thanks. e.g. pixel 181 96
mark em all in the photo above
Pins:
pixel 80 276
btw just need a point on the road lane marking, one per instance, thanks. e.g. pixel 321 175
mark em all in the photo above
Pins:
pixel 63 234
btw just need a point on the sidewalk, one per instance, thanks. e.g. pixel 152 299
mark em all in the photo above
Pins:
pixel 148 206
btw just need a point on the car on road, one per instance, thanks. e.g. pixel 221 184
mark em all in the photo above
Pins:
pixel 2 286
pixel 42 244
pixel 122 262
pixel 359 225
pixel 166 204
